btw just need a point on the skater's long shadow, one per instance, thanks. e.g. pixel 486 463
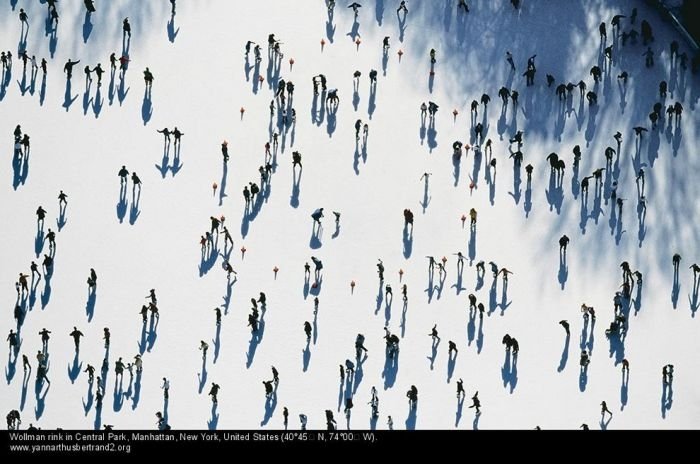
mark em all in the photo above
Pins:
pixel 97 102
pixel 458 285
pixel 146 106
pixel 477 167
pixel 122 204
pixel 676 289
pixel 583 378
pixel 98 415
pixel 451 362
pixel 118 401
pixel 53 41
pixel 152 333
pixel 564 354
pixel 130 388
pixel 314 324
pixel 575 183
pixel 87 405
pixel 432 135
pixel 316 287
pixel 330 30
pixel 90 305
pixel 257 83
pixel 480 335
pixel 509 371
pixel 75 368
pixel 306 287
pixel 316 234
pixel 403 318
pixel 456 163
pixel 422 130
pixel 693 300
pixel 516 182
pixel 471 326
pixel 134 211
pixel 87 27
pixel 122 90
pixel 306 356
pixel 563 270
pixel 472 244
pixel 172 32
pixel 426 197
pixel 165 161
pixel 624 390
pixel 270 405
pixel 4 82
pixel 110 89
pixel 46 292
pixel 637 301
pixel 39 242
pixel 177 165
pixel 11 366
pixel 86 98
pixel 407 241
pixel 318 113
pixel 387 309
pixel 458 414
pixel 246 70
pixel 475 423
pixel 433 353
pixel 555 192
pixel 202 376
pixel 479 281
pixel 642 230
pixel 619 231
pixel 354 33
pixel 222 187
pixel 341 390
pixel 40 399
pixel 412 416
pixel 213 422
pixel 217 343
pixel 359 374
pixel 332 119
pixel 227 297
pixel 255 339
pixel 372 104
pixel 391 368
pixel 666 398
pixel 379 12
pixel 591 127
pixel 207 261
pixel 137 391
pixel 355 98
pixel 25 389
pixel 22 44
pixel 653 147
pixel 68 97
pixel 402 27
pixel 296 181
pixel 492 186
pixel 493 304
pixel 23 87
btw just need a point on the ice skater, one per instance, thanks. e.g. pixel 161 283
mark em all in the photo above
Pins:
pixel 476 403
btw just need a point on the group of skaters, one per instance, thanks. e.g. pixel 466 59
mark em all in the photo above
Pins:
pixel 120 60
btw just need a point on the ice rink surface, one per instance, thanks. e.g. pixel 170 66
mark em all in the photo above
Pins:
pixel 80 138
